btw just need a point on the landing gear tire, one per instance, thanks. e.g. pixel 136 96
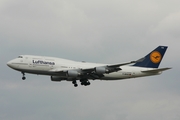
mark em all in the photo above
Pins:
pixel 88 83
pixel 85 82
pixel 75 83
pixel 23 78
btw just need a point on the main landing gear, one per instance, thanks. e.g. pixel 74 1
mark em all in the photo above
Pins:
pixel 84 82
pixel 23 77
pixel 75 83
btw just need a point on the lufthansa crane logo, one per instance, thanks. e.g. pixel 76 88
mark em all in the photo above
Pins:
pixel 155 57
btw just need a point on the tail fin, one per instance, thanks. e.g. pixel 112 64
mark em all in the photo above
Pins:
pixel 153 59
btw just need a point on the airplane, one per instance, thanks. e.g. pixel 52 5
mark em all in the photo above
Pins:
pixel 67 70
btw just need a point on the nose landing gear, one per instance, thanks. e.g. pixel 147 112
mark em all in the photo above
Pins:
pixel 23 77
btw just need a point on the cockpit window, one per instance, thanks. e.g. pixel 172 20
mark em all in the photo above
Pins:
pixel 20 57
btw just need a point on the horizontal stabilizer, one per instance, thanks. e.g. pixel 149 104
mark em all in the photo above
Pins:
pixel 156 70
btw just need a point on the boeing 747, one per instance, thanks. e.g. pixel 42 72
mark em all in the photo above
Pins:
pixel 62 69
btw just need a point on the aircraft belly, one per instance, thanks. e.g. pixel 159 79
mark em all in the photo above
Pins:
pixel 125 75
pixel 38 72
pixel 116 76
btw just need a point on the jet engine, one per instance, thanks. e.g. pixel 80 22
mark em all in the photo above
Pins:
pixel 56 78
pixel 73 73
pixel 106 69
pixel 101 70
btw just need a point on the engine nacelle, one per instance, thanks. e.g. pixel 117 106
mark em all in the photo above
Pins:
pixel 101 70
pixel 73 73
pixel 56 78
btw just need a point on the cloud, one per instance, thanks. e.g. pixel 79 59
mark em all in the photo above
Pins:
pixel 154 107
pixel 168 26
pixel 96 31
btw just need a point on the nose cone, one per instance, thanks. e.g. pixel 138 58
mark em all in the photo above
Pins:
pixel 13 64
pixel 9 63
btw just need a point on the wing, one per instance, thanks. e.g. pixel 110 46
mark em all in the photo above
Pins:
pixel 90 73
pixel 112 66
pixel 98 72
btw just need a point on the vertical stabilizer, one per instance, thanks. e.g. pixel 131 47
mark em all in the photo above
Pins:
pixel 153 59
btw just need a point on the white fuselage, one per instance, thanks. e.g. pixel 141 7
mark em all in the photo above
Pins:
pixel 49 66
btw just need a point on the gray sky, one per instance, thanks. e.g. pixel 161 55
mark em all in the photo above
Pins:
pixel 101 31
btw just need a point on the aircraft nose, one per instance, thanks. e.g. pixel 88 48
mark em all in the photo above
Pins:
pixel 12 63
pixel 9 63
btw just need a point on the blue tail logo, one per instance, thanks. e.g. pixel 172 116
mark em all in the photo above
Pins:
pixel 153 59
